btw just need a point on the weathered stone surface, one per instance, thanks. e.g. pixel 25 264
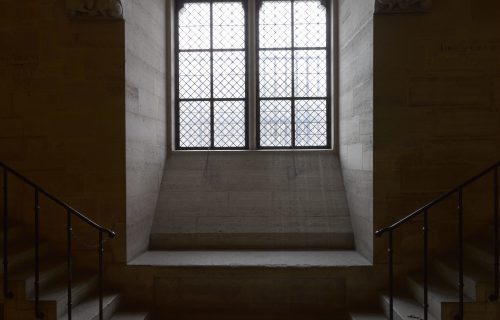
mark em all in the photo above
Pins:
pixel 356 116
pixel 145 116
pixel 63 92
pixel 253 193
pixel 295 281
pixel 460 91
pixel 436 115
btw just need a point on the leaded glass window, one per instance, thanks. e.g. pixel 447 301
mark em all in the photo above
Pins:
pixel 292 75
pixel 211 69
pixel 293 81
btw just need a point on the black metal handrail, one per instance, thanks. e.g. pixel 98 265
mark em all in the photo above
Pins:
pixel 460 208
pixel 70 212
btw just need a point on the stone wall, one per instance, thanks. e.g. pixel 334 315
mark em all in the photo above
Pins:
pixel 62 116
pixel 269 290
pixel 355 89
pixel 437 117
pixel 145 48
pixel 80 120
pixel 252 199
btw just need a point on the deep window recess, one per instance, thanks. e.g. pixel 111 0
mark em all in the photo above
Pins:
pixel 211 76
pixel 294 78
pixel 292 58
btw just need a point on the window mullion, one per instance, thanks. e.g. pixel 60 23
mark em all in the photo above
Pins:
pixel 212 125
pixel 252 56
pixel 292 71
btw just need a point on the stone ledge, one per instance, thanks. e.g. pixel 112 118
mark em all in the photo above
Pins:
pixel 341 239
pixel 241 259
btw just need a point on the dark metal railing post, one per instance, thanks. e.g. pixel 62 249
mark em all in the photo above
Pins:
pixel 38 314
pixel 101 271
pixel 390 252
pixel 69 235
pixel 496 264
pixel 6 292
pixel 426 265
pixel 460 208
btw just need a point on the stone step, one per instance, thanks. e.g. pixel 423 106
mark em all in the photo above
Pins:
pixel 257 281
pixel 21 282
pixel 244 315
pixel 404 308
pixel 442 297
pixel 252 258
pixel 88 309
pixel 481 252
pixel 21 255
pixel 367 316
pixel 131 315
pixel 341 239
pixel 55 297
pixel 16 234
pixel 477 280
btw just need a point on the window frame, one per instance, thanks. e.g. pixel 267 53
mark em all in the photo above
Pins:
pixel 252 99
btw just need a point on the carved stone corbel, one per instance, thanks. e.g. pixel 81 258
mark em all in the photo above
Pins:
pixel 112 9
pixel 402 6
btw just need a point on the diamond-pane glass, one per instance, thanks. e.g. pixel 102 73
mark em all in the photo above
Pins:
pixel 275 123
pixel 275 73
pixel 229 124
pixel 275 21
pixel 194 26
pixel 310 123
pixel 229 25
pixel 211 68
pixel 194 124
pixel 194 75
pixel 229 74
pixel 293 30
pixel 310 73
pixel 309 24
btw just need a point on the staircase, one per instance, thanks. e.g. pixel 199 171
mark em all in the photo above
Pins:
pixel 53 286
pixel 443 289
pixel 36 284
pixel 39 283
pixel 460 286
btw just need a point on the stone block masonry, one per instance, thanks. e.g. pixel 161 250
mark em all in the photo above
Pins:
pixel 252 199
